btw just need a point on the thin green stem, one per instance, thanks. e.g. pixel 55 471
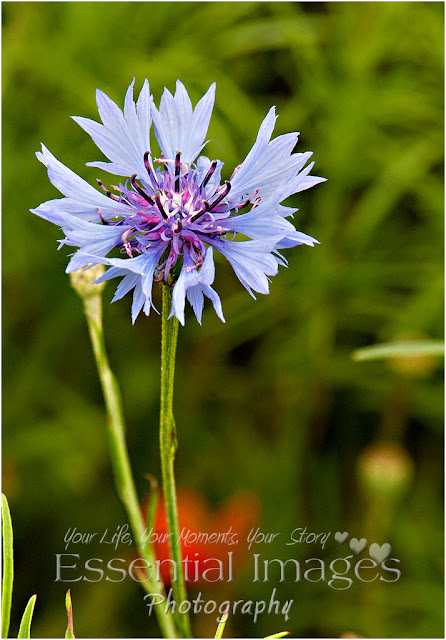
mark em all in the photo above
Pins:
pixel 120 459
pixel 168 445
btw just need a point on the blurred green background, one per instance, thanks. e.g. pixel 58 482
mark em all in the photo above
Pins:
pixel 270 402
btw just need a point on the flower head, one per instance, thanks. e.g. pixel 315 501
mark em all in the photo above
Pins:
pixel 172 211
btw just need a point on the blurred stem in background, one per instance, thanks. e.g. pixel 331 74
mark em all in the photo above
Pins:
pixel 384 471
pixel 91 295
pixel 168 445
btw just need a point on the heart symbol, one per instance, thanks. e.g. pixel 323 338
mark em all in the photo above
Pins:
pixel 358 545
pixel 341 537
pixel 380 553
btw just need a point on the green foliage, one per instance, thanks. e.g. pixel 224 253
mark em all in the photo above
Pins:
pixel 400 349
pixel 25 625
pixel 8 579
pixel 275 387
pixel 8 566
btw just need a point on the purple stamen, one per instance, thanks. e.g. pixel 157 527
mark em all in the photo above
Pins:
pixel 256 203
pixel 248 201
pixel 206 207
pixel 208 176
pixel 163 161
pixel 149 169
pixel 176 244
pixel 159 205
pixel 108 193
pixel 236 170
pixel 140 190
pixel 177 172
pixel 126 244
pixel 222 195
pixel 146 162
pixel 177 227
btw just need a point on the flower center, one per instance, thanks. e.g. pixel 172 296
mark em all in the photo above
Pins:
pixel 175 206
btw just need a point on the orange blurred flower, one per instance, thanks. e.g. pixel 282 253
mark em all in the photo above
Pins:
pixel 209 538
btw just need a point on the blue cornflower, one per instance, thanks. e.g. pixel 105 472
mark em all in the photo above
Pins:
pixel 171 213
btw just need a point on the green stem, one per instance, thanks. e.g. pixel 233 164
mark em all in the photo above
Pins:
pixel 119 454
pixel 168 444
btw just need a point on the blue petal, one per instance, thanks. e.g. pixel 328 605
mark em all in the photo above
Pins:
pixel 268 165
pixel 267 219
pixel 139 300
pixel 55 211
pixel 261 222
pixel 302 181
pixel 123 137
pixel 143 267
pixel 196 299
pixel 207 271
pixel 193 284
pixel 123 161
pixel 129 281
pixel 92 238
pixel 70 184
pixel 215 299
pixel 178 127
pixel 251 260
pixel 309 181
pixel 143 110
pixel 295 238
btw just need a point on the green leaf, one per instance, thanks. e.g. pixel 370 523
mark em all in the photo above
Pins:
pixel 400 350
pixel 69 633
pixel 8 566
pixel 222 624
pixel 281 634
pixel 25 625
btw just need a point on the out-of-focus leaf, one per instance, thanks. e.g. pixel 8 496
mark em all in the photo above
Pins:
pixel 400 350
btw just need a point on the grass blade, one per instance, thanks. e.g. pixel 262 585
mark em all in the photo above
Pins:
pixel 25 625
pixel 153 502
pixel 400 350
pixel 8 566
